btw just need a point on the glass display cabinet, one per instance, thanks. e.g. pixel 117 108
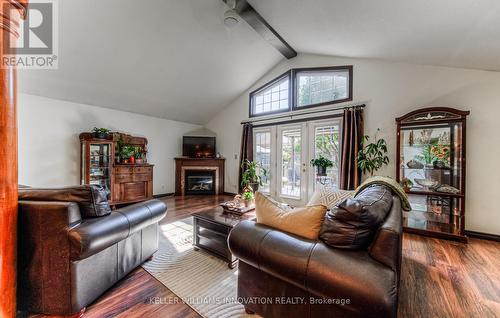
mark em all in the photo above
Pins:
pixel 97 163
pixel 431 168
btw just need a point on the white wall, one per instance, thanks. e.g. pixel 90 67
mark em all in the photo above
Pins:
pixel 49 148
pixel 391 90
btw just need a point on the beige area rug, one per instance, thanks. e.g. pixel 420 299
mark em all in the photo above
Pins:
pixel 200 280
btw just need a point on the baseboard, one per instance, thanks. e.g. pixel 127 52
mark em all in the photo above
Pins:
pixel 156 196
pixel 229 193
pixel 483 236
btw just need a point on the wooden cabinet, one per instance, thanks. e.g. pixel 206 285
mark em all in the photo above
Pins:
pixel 100 164
pixel 132 183
pixel 431 163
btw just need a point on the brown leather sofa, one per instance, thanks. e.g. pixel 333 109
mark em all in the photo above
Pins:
pixel 65 260
pixel 282 275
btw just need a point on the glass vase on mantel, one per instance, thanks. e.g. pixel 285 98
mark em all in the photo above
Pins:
pixel 431 163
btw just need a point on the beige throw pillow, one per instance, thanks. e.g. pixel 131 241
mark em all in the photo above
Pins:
pixel 329 197
pixel 302 221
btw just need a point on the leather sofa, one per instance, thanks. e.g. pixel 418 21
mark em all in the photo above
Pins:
pixel 66 261
pixel 283 275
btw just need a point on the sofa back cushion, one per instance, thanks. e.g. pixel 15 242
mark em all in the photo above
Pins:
pixel 353 223
pixel 91 199
pixel 302 221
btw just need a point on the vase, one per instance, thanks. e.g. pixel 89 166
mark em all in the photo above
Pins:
pixel 131 160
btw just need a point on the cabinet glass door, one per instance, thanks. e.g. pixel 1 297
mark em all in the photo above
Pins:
pixel 431 165
pixel 100 161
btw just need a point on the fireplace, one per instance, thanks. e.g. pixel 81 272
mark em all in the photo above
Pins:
pixel 201 171
pixel 199 182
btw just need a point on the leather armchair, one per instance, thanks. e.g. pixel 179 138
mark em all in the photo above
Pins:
pixel 276 264
pixel 65 261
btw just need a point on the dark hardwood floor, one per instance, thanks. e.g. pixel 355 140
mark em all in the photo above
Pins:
pixel 439 278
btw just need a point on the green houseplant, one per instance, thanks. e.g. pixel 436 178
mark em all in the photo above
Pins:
pixel 252 176
pixel 127 153
pixel 373 155
pixel 321 165
pixel 101 133
pixel 248 198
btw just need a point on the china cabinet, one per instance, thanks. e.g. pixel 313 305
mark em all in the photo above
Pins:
pixel 102 164
pixel 431 153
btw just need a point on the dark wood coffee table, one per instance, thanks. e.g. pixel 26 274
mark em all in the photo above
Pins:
pixel 211 229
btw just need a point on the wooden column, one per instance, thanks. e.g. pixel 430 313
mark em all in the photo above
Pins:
pixel 11 13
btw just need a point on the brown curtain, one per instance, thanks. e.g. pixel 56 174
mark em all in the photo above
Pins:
pixel 353 129
pixel 246 151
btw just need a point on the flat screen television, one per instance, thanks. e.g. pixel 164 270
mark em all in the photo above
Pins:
pixel 198 147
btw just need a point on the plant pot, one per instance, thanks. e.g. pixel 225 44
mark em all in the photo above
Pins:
pixel 101 135
pixel 254 186
pixel 139 161
pixel 131 160
pixel 438 164
pixel 321 171
pixel 248 203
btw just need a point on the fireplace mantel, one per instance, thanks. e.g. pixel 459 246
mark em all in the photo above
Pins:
pixel 182 164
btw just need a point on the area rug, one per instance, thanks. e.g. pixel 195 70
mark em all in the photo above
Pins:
pixel 200 280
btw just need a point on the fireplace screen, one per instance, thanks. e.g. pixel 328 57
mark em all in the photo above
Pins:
pixel 200 182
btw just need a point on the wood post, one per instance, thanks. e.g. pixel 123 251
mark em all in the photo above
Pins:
pixel 11 13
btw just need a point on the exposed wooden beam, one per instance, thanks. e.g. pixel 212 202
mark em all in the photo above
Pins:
pixel 11 13
pixel 259 24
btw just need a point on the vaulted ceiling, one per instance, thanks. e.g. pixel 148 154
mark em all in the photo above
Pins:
pixel 175 59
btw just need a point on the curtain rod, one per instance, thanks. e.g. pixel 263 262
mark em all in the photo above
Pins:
pixel 250 121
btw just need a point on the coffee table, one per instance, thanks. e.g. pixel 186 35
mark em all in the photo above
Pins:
pixel 211 228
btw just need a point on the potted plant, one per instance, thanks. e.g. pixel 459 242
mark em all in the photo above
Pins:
pixel 140 155
pixel 372 156
pixel 127 154
pixel 101 133
pixel 407 184
pixel 248 198
pixel 252 176
pixel 321 165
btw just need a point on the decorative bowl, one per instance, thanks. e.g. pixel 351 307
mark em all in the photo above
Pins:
pixel 427 183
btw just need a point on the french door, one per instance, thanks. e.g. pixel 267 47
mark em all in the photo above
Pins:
pixel 285 152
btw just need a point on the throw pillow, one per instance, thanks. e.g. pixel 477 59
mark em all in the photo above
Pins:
pixel 92 199
pixel 329 197
pixel 354 222
pixel 303 221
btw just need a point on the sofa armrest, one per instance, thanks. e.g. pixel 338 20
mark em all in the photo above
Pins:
pixel 96 234
pixel 386 247
pixel 44 249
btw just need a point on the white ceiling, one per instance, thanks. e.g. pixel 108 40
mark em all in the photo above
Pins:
pixel 458 33
pixel 175 59
pixel 167 58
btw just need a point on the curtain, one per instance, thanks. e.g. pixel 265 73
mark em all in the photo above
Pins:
pixel 246 151
pixel 353 128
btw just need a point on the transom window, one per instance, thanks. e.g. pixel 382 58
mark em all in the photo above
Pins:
pixel 302 88
pixel 321 87
pixel 274 97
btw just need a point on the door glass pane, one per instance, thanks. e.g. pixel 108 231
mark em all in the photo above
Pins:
pixel 326 144
pixel 291 162
pixel 263 155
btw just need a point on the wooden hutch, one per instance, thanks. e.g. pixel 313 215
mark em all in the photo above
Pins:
pixel 101 164
pixel 431 165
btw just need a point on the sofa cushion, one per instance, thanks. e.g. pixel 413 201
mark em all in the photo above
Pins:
pixel 303 221
pixel 329 197
pixel 354 222
pixel 92 199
